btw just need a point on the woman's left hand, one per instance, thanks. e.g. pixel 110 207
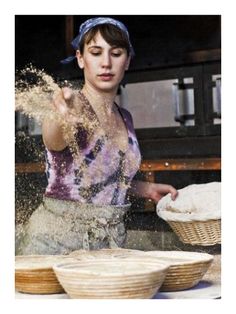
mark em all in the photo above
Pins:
pixel 156 191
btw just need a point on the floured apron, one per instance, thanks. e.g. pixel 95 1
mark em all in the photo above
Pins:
pixel 60 227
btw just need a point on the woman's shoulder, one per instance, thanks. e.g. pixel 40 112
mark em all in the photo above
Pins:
pixel 126 113
pixel 127 118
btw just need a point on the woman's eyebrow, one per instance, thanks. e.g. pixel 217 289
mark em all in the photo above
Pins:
pixel 94 46
pixel 99 47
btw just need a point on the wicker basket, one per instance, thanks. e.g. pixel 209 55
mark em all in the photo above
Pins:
pixel 186 268
pixel 203 233
pixel 195 215
pixel 34 274
pixel 112 278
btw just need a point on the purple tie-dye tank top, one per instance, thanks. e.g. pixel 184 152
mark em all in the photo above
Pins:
pixel 104 173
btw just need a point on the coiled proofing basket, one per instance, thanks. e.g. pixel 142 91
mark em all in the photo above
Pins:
pixel 195 215
pixel 203 233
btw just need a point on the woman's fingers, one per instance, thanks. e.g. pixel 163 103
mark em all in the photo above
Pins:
pixel 166 188
pixel 63 100
pixel 67 92
pixel 68 96
pixel 64 103
pixel 173 193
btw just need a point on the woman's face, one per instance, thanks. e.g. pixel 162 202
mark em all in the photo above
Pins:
pixel 103 65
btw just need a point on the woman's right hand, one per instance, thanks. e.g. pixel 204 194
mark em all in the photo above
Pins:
pixel 64 104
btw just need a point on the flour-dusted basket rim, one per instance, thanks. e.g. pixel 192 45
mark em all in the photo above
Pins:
pixel 37 262
pixel 195 215
pixel 105 253
pixel 186 268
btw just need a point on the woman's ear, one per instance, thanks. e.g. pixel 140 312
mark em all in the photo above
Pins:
pixel 127 63
pixel 80 59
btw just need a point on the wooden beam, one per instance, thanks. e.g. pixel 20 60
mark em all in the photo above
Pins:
pixel 181 164
pixel 69 33
pixel 148 166
pixel 30 167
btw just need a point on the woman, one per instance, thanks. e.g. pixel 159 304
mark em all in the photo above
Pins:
pixel 86 197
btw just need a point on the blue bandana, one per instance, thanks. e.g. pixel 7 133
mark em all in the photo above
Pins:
pixel 89 24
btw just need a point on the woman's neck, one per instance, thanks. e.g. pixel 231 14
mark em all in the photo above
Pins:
pixel 102 101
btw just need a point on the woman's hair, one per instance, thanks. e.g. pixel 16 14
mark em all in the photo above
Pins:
pixel 112 35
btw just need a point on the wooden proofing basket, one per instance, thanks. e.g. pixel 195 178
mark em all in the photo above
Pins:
pixel 186 268
pixel 112 278
pixel 34 274
pixel 203 233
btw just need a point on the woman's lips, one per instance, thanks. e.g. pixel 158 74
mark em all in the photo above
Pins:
pixel 106 76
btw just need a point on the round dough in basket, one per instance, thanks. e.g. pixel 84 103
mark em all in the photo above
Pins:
pixel 196 201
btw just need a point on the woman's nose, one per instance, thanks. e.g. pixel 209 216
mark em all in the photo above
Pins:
pixel 106 60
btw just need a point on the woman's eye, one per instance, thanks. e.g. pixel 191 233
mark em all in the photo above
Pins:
pixel 113 53
pixel 116 54
pixel 95 53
